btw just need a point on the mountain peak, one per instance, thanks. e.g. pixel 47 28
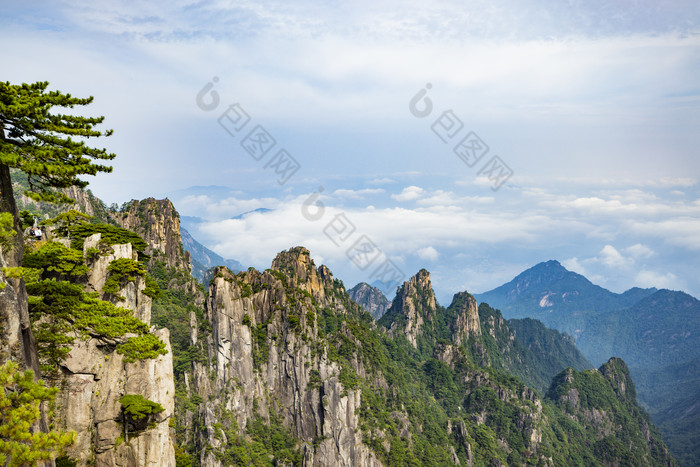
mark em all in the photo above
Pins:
pixel 301 271
pixel 371 299
pixel 413 305
pixel 295 260
pixel 467 317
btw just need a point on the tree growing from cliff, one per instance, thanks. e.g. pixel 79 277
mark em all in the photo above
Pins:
pixel 47 146
pixel 20 397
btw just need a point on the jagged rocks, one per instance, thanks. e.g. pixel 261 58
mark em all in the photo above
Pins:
pixel 371 299
pixel 467 321
pixel 158 223
pixel 414 303
pixel 265 330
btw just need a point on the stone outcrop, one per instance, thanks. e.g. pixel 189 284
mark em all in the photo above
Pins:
pixel 264 326
pixel 467 321
pixel 414 304
pixel 158 223
pixel 95 376
pixel 371 299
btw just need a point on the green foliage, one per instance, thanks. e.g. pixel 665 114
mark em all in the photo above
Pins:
pixel 348 377
pixel 61 311
pixel 110 235
pixel 65 308
pixel 26 218
pixel 65 461
pixel 261 349
pixel 266 444
pixel 20 397
pixel 56 260
pixel 7 232
pixel 152 289
pixel 121 271
pixel 65 221
pixel 37 140
pixel 28 274
pixel 611 393
pixel 142 347
pixel 137 407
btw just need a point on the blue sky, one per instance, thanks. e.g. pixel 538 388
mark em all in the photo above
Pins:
pixel 593 106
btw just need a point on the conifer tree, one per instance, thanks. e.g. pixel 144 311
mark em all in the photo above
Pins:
pixel 20 397
pixel 49 147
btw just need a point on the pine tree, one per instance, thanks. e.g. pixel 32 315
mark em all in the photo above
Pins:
pixel 20 397
pixel 41 143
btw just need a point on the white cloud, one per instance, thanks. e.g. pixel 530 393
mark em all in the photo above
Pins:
pixel 573 264
pixel 639 251
pixel 409 193
pixel 428 253
pixel 357 194
pixel 646 278
pixel 610 257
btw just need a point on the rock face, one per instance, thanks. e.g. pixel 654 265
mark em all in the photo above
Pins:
pixel 264 329
pixel 371 299
pixel 95 376
pixel 414 304
pixel 94 380
pixel 158 223
pixel 467 321
pixel 16 339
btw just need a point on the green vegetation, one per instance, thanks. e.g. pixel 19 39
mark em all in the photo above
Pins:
pixel 609 392
pixel 137 407
pixel 7 233
pixel 37 140
pixel 56 261
pixel 20 397
pixel 62 311
pixel 141 348
pixel 121 271
pixel 110 235
pixel 265 443
pixel 65 221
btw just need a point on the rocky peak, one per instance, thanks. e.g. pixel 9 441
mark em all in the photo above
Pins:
pixel 158 223
pixel 296 262
pixel 371 299
pixel 301 271
pixel 264 325
pixel 616 371
pixel 414 305
pixel 467 321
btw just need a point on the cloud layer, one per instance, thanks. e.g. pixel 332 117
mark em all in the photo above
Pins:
pixel 593 105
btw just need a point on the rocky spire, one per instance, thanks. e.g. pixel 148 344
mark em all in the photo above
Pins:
pixel 466 321
pixel 414 305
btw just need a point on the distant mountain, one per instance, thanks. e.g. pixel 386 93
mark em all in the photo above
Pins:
pixel 560 298
pixel 661 329
pixel 524 348
pixel 371 299
pixel 203 259
pixel 657 332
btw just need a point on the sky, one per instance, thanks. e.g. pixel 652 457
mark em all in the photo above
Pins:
pixel 474 139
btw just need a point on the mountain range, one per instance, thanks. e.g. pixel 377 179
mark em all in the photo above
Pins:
pixel 656 332
pixel 281 367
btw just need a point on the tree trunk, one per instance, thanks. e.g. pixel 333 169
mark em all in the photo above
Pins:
pixel 7 204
